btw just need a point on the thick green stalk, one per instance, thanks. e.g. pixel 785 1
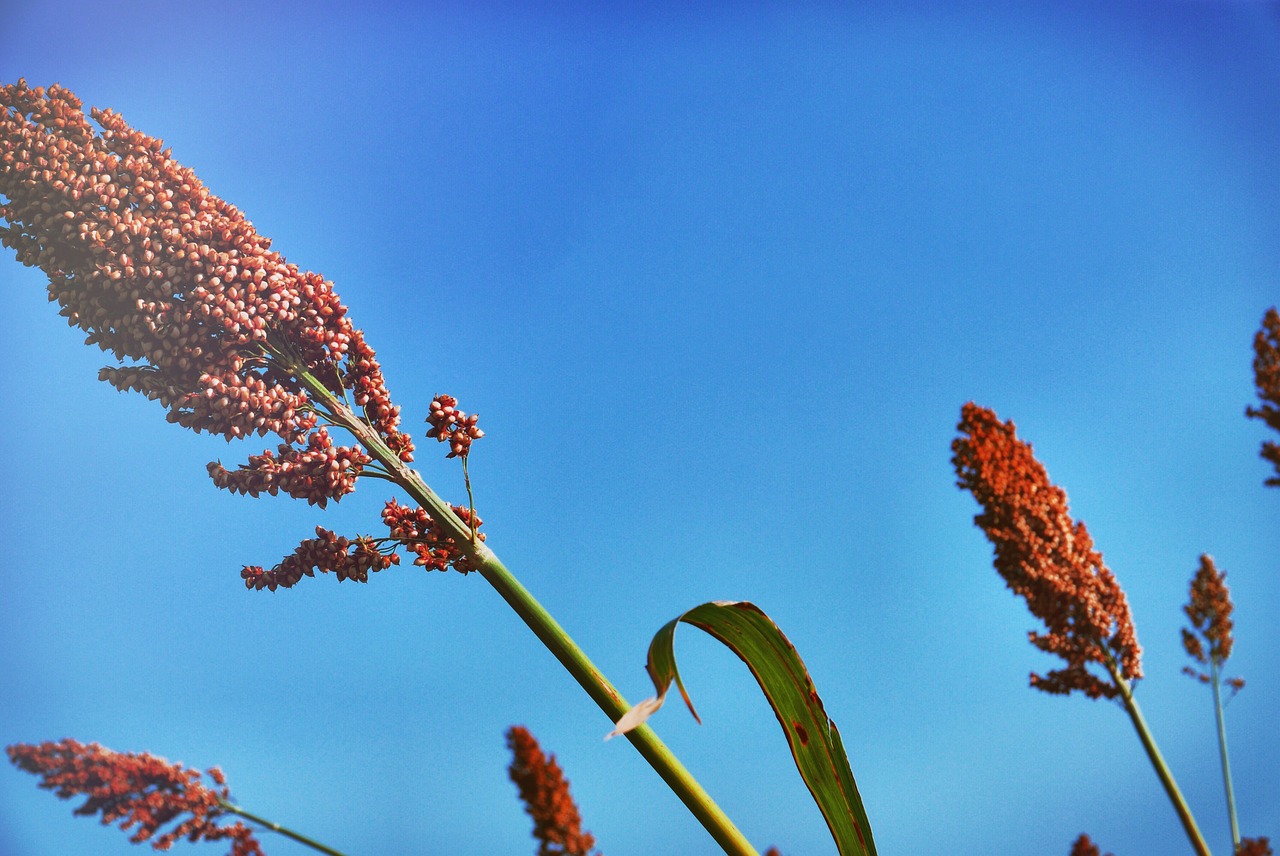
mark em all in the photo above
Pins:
pixel 1216 680
pixel 544 626
pixel 275 827
pixel 1157 761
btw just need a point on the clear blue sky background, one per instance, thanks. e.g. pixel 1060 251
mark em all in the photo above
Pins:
pixel 717 282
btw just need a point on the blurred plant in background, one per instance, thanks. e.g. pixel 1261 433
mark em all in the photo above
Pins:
pixel 1266 375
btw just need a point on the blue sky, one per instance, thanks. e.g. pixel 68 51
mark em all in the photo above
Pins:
pixel 718 283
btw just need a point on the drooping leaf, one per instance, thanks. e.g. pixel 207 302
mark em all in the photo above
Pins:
pixel 815 742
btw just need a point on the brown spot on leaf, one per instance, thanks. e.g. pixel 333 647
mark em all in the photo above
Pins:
pixel 801 733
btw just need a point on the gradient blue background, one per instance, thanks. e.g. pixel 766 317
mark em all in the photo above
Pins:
pixel 718 282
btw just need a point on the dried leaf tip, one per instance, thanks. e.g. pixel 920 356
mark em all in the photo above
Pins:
pixel 1046 558
pixel 638 715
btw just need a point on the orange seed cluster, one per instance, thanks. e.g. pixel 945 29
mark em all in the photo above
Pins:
pixel 1046 557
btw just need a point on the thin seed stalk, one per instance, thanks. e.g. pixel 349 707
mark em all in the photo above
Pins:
pixel 1157 761
pixel 1216 679
pixel 543 625
pixel 282 830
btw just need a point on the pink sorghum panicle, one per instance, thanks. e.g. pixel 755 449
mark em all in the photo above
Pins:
pixel 178 286
pixel 1046 557
pixel 138 790
pixel 201 315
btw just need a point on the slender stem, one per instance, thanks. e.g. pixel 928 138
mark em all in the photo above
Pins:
pixel 1157 761
pixel 545 627
pixel 471 500
pixel 275 827
pixel 1216 680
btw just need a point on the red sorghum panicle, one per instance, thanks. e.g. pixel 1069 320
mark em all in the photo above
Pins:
pixel 138 790
pixel 545 792
pixel 327 553
pixel 1083 846
pixel 1208 641
pixel 416 529
pixel 453 426
pixel 1255 847
pixel 1266 375
pixel 176 283
pixel 1046 557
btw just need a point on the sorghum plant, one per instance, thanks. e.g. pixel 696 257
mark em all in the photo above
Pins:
pixel 1209 642
pixel 1049 560
pixel 203 317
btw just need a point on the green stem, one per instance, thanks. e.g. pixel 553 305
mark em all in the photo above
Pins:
pixel 471 500
pixel 545 627
pixel 1157 761
pixel 1216 680
pixel 275 827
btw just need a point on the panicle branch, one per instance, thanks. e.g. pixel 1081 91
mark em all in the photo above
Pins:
pixel 1046 557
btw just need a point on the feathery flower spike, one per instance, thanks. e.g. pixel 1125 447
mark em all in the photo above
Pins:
pixel 1046 557
pixel 545 793
pixel 1266 374
pixel 138 790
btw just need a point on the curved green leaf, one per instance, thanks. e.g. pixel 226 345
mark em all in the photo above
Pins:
pixel 815 741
